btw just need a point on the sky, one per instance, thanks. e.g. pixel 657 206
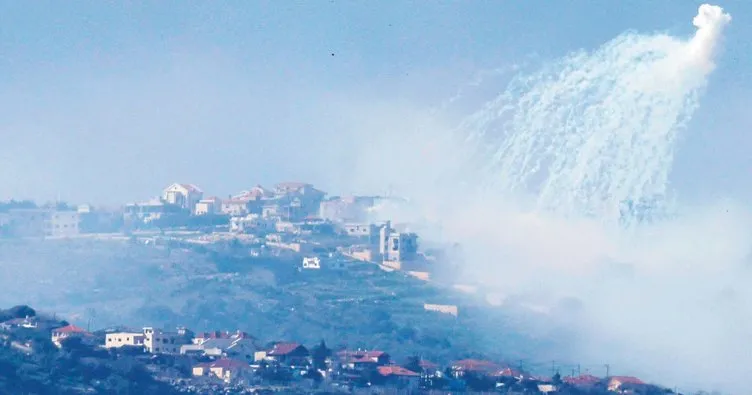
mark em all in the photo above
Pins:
pixel 107 102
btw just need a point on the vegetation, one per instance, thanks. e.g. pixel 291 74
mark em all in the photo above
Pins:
pixel 110 283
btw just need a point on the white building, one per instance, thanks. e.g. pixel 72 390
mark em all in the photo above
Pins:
pixel 185 196
pixel 252 223
pixel 160 342
pixel 311 263
pixel 61 223
pixel 397 246
pixel 209 206
pixel 121 339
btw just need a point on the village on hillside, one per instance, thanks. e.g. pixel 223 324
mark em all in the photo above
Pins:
pixel 235 362
pixel 299 223
pixel 292 217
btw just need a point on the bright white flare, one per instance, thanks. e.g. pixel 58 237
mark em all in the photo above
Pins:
pixel 596 130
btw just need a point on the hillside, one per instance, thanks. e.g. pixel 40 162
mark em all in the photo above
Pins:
pixel 107 283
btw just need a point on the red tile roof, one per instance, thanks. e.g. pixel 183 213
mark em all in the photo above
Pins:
pixel 584 379
pixel 281 349
pixel 69 329
pixel 475 365
pixel 508 372
pixel 394 370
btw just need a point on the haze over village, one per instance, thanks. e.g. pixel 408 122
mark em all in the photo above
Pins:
pixel 292 225
pixel 518 197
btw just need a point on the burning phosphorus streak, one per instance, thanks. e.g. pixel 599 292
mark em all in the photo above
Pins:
pixel 595 130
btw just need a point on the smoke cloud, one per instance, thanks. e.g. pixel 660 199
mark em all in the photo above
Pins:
pixel 533 185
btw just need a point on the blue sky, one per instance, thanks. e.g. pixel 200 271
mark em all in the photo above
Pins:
pixel 105 102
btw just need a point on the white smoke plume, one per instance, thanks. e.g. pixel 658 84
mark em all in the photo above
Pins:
pixel 560 185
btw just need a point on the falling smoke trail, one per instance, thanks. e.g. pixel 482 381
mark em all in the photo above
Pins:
pixel 595 131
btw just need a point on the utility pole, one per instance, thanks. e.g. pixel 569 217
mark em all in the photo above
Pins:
pixel 553 368
pixel 608 370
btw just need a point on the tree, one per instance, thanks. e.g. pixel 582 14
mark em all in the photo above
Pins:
pixel 413 364
pixel 556 379
pixel 319 354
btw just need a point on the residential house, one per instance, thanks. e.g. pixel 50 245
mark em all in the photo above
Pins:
pixel 474 366
pixel 228 370
pixel 66 332
pixel 222 344
pixel 396 247
pixel 361 360
pixel 157 341
pixel 123 339
pixel 398 376
pixel 298 200
pixel 584 381
pixel 236 207
pixel 257 193
pixel 346 209
pixel 185 196
pixel 547 388
pixel 253 223
pixel 208 206
pixel 61 223
pixel 623 383
pixel 311 263
pixel 149 211
pixel 28 322
pixel 27 222
pixel 291 354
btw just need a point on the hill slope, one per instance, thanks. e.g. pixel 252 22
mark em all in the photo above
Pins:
pixel 110 283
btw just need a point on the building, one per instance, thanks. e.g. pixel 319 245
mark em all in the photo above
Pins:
pixel 66 332
pixel 61 223
pixel 480 367
pixel 236 207
pixel 396 246
pixel 621 383
pixel 400 377
pixel 225 369
pixel 161 342
pixel 185 196
pixel 42 222
pixel 123 339
pixel 369 233
pixel 27 222
pixel 254 194
pixel 346 209
pixel 298 200
pixel 292 354
pixel 252 223
pixel 222 344
pixel 149 211
pixel 311 263
pixel 208 206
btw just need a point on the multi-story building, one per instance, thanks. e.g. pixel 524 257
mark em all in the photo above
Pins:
pixel 157 341
pixel 346 209
pixel 42 222
pixel 149 211
pixel 397 246
pixel 61 223
pixel 122 339
pixel 209 206
pixel 185 196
